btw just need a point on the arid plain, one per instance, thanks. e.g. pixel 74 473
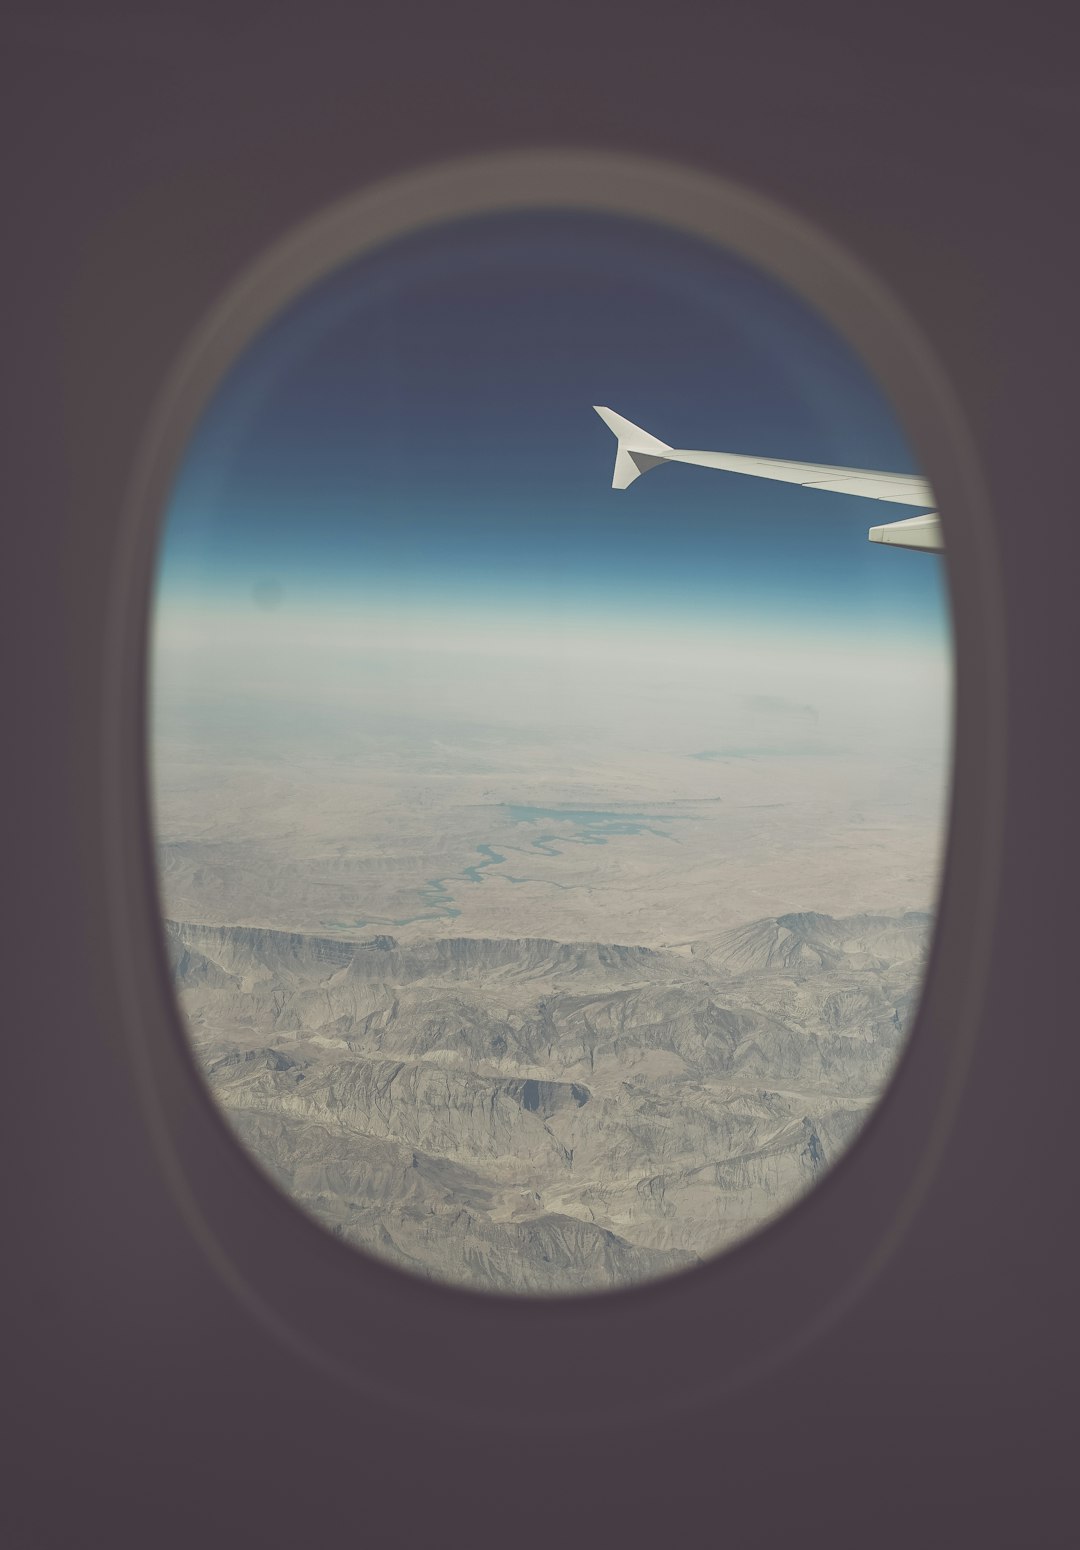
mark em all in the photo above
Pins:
pixel 555 968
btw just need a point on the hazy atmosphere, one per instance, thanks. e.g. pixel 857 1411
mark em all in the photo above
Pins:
pixel 548 869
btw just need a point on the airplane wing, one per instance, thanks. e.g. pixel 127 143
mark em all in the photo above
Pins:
pixel 637 452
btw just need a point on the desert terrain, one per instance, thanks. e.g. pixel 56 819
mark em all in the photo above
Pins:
pixel 543 990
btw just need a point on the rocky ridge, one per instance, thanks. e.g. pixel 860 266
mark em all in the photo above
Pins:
pixel 541 1116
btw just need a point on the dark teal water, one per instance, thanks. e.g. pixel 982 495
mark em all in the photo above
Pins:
pixel 593 828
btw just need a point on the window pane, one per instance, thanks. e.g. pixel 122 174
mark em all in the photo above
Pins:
pixel 548 868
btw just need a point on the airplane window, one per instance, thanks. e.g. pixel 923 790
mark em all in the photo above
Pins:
pixel 550 739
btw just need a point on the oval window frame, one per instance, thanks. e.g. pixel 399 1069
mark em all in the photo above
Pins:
pixel 610 1355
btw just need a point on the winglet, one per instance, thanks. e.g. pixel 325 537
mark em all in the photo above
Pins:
pixel 637 451
pixel 921 532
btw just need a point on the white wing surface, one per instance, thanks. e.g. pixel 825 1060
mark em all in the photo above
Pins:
pixel 638 452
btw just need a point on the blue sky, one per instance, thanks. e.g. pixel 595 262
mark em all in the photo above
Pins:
pixel 416 431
